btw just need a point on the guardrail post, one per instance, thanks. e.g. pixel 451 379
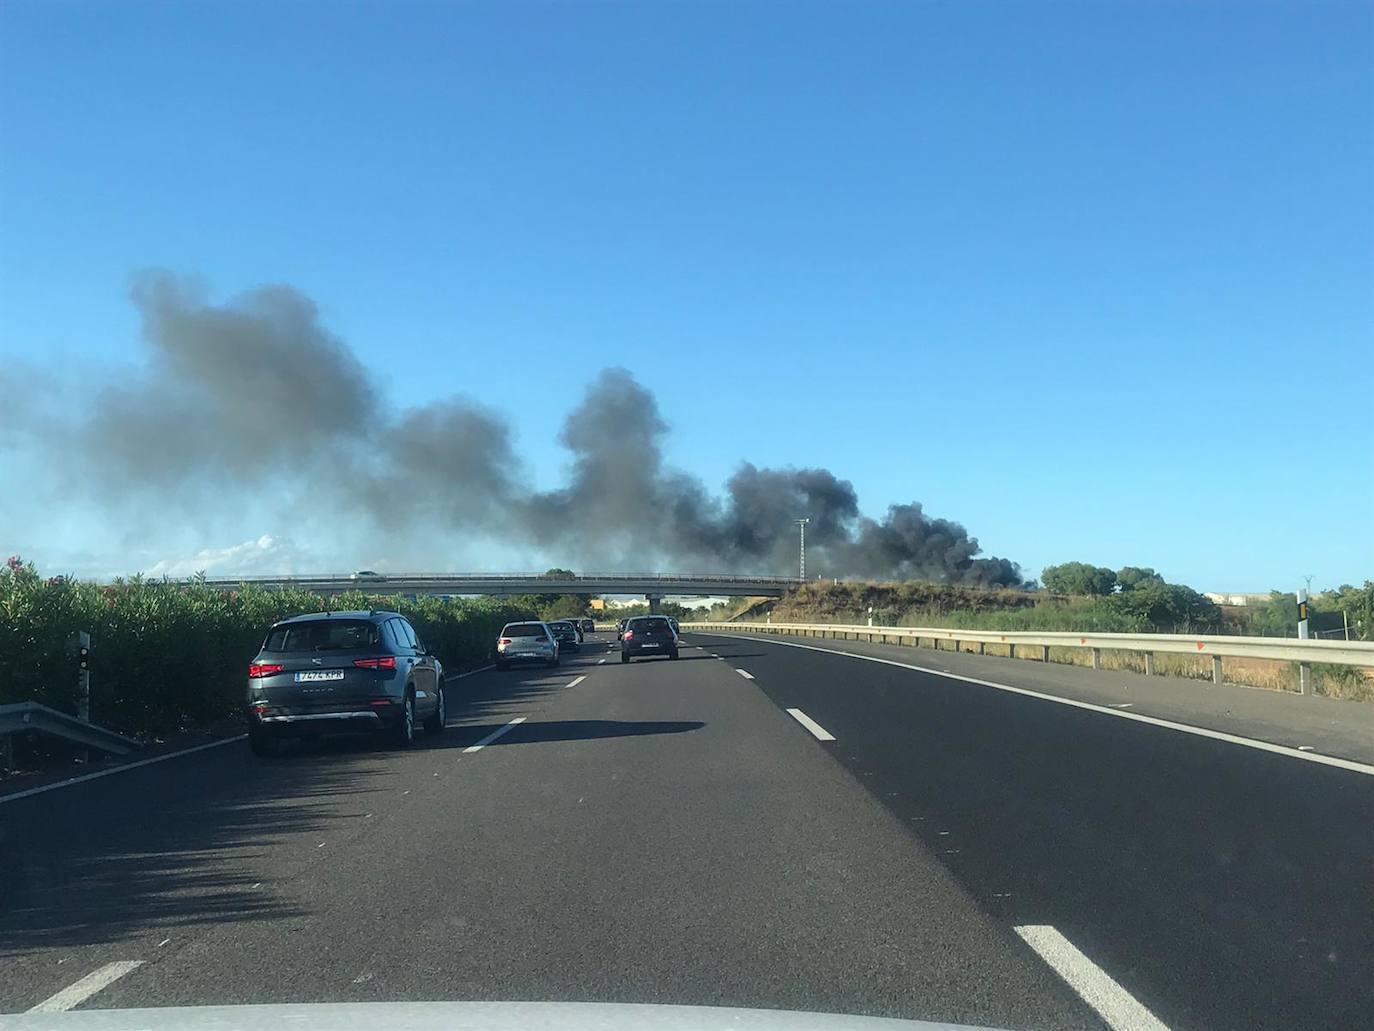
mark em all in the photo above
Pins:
pixel 1011 649
pixel 1149 664
pixel 981 649
pixel 1097 658
pixel 1044 652
pixel 1216 669
pixel 1304 678
pixel 958 645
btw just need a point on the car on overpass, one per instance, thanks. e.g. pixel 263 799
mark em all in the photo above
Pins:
pixel 648 635
pixel 342 673
pixel 526 641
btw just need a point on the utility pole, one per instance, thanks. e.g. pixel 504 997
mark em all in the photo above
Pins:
pixel 802 524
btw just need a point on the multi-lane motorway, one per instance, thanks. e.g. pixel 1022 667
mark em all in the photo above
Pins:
pixel 753 825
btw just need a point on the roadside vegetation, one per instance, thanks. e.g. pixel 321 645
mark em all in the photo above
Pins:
pixel 1080 597
pixel 169 657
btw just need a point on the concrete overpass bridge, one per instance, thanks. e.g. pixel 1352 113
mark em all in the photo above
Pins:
pixel 654 586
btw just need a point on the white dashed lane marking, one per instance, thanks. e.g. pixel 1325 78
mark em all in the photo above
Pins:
pixel 1118 1007
pixel 494 735
pixel 819 732
pixel 76 994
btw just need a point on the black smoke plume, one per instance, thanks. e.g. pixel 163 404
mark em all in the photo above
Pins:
pixel 257 391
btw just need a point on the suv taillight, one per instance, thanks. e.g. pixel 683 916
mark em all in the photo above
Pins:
pixel 385 662
pixel 504 640
pixel 263 669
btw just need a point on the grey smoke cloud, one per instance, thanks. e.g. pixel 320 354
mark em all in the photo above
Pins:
pixel 256 390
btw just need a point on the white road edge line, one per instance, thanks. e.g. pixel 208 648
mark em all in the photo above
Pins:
pixel 600 661
pixel 745 674
pixel 494 735
pixel 74 995
pixel 1155 721
pixel 117 769
pixel 821 734
pixel 577 680
pixel 1118 1007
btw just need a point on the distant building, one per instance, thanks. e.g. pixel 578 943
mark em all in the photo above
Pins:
pixel 1242 598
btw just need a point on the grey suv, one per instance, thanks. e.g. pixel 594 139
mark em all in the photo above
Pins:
pixel 341 673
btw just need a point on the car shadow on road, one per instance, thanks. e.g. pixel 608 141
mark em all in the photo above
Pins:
pixel 193 842
pixel 562 730
pixel 175 846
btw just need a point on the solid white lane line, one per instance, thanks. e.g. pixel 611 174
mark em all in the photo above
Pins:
pixel 577 680
pixel 1154 721
pixel 494 735
pixel 745 674
pixel 806 721
pixel 117 769
pixel 1113 1003
pixel 74 995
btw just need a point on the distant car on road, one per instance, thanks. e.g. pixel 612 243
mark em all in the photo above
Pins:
pixel 526 642
pixel 367 574
pixel 620 629
pixel 566 635
pixel 339 673
pixel 648 635
pixel 588 627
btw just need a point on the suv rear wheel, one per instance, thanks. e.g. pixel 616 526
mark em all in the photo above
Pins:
pixel 434 723
pixel 403 734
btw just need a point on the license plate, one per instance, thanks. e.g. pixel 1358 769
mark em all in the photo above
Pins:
pixel 650 646
pixel 311 675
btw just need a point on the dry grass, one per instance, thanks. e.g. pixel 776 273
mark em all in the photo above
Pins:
pixel 1267 674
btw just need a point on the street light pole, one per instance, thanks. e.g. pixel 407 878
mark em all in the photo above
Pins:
pixel 801 523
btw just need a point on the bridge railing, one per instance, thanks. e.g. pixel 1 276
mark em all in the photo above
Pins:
pixel 383 578
pixel 1281 649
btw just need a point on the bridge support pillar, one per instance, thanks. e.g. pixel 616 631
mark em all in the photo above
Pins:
pixel 655 603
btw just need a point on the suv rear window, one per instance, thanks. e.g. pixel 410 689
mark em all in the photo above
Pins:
pixel 524 630
pixel 323 635
pixel 648 623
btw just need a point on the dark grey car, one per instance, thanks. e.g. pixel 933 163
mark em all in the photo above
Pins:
pixel 565 632
pixel 340 673
pixel 648 635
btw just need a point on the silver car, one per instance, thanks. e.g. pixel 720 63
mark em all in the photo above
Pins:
pixel 526 642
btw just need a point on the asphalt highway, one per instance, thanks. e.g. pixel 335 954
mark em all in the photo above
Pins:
pixel 776 828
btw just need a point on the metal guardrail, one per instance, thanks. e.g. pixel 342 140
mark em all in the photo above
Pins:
pixel 1281 649
pixel 33 716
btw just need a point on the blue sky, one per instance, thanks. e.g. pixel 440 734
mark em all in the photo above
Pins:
pixel 1093 279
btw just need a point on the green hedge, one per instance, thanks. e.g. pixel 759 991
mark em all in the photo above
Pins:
pixel 171 656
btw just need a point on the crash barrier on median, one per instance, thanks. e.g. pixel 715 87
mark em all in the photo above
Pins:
pixel 1358 654
pixel 22 716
